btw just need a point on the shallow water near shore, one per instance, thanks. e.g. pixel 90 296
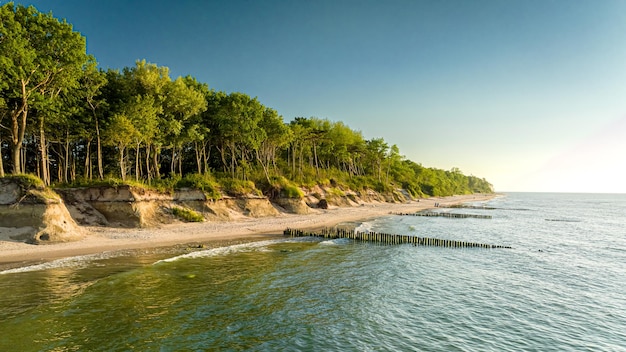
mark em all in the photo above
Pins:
pixel 561 287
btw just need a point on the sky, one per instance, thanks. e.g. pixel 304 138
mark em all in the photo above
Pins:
pixel 529 94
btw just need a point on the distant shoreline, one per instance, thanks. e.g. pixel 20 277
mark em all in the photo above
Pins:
pixel 106 239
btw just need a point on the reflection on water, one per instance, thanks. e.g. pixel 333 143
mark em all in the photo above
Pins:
pixel 559 288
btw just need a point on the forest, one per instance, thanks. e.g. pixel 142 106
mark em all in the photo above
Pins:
pixel 69 122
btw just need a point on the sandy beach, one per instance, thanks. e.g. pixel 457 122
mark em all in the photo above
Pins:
pixel 105 239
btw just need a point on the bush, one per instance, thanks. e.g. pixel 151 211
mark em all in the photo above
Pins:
pixel 335 192
pixel 27 181
pixel 204 183
pixel 187 214
pixel 280 186
pixel 236 187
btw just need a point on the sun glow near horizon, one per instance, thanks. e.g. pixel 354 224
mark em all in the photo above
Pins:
pixel 596 164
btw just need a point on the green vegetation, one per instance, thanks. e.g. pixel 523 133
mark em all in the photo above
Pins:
pixel 279 186
pixel 27 181
pixel 33 188
pixel 205 183
pixel 69 122
pixel 187 214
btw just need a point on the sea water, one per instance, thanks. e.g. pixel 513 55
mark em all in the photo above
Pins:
pixel 562 287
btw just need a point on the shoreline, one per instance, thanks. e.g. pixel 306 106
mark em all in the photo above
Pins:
pixel 110 239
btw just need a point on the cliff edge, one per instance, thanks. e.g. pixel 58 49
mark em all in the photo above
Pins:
pixel 34 214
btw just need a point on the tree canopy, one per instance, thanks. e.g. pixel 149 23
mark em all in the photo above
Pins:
pixel 65 120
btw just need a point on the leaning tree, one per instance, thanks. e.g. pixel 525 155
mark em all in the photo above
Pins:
pixel 40 57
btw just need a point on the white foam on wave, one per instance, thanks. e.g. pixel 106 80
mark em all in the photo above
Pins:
pixel 260 246
pixel 336 242
pixel 80 261
pixel 364 227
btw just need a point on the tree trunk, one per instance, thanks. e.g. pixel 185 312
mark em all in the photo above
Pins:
pixel 137 163
pixel 155 160
pixel 148 171
pixel 317 171
pixel 206 154
pixel 267 176
pixel 73 167
pixel 1 160
pixel 18 128
pixel 232 161
pixel 45 171
pixel 16 152
pixel 173 161
pixel 99 146
pixel 67 156
pixel 88 172
pixel 222 154
pixel 122 168
pixel 198 157
pixel 180 161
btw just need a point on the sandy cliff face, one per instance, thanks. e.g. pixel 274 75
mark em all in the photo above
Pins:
pixel 122 206
pixel 43 216
pixel 35 215
pixel 126 206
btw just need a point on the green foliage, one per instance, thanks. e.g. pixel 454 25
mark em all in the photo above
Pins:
pixel 335 192
pixel 138 123
pixel 205 183
pixel 26 181
pixel 282 187
pixel 33 188
pixel 235 187
pixel 187 214
pixel 42 59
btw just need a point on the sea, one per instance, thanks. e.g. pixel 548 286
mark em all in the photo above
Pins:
pixel 560 287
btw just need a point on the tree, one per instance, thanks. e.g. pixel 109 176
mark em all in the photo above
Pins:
pixel 142 112
pixel 181 102
pixel 237 131
pixel 277 135
pixel 40 56
pixel 147 82
pixel 198 131
pixel 120 133
pixel 3 113
pixel 91 84
pixel 376 152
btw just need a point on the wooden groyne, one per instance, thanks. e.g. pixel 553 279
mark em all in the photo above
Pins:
pixel 445 215
pixel 387 238
pixel 464 206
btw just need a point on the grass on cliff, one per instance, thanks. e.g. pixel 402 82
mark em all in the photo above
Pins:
pixel 34 189
pixel 204 183
pixel 282 187
pixel 187 214
pixel 27 181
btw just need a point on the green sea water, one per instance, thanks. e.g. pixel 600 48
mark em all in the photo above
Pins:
pixel 560 288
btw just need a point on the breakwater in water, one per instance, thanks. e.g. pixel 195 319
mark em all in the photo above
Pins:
pixel 465 206
pixel 387 238
pixel 445 215
pixel 560 288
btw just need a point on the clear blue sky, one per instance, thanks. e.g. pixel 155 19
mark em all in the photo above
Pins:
pixel 530 94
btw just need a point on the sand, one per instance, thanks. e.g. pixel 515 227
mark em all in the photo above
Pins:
pixel 105 239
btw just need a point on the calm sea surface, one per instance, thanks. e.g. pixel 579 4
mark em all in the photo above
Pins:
pixel 561 288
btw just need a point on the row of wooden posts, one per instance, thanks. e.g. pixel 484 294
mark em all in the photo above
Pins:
pixel 445 215
pixel 465 206
pixel 386 238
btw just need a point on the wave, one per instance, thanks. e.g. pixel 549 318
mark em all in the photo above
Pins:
pixel 364 227
pixel 259 246
pixel 337 241
pixel 80 261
